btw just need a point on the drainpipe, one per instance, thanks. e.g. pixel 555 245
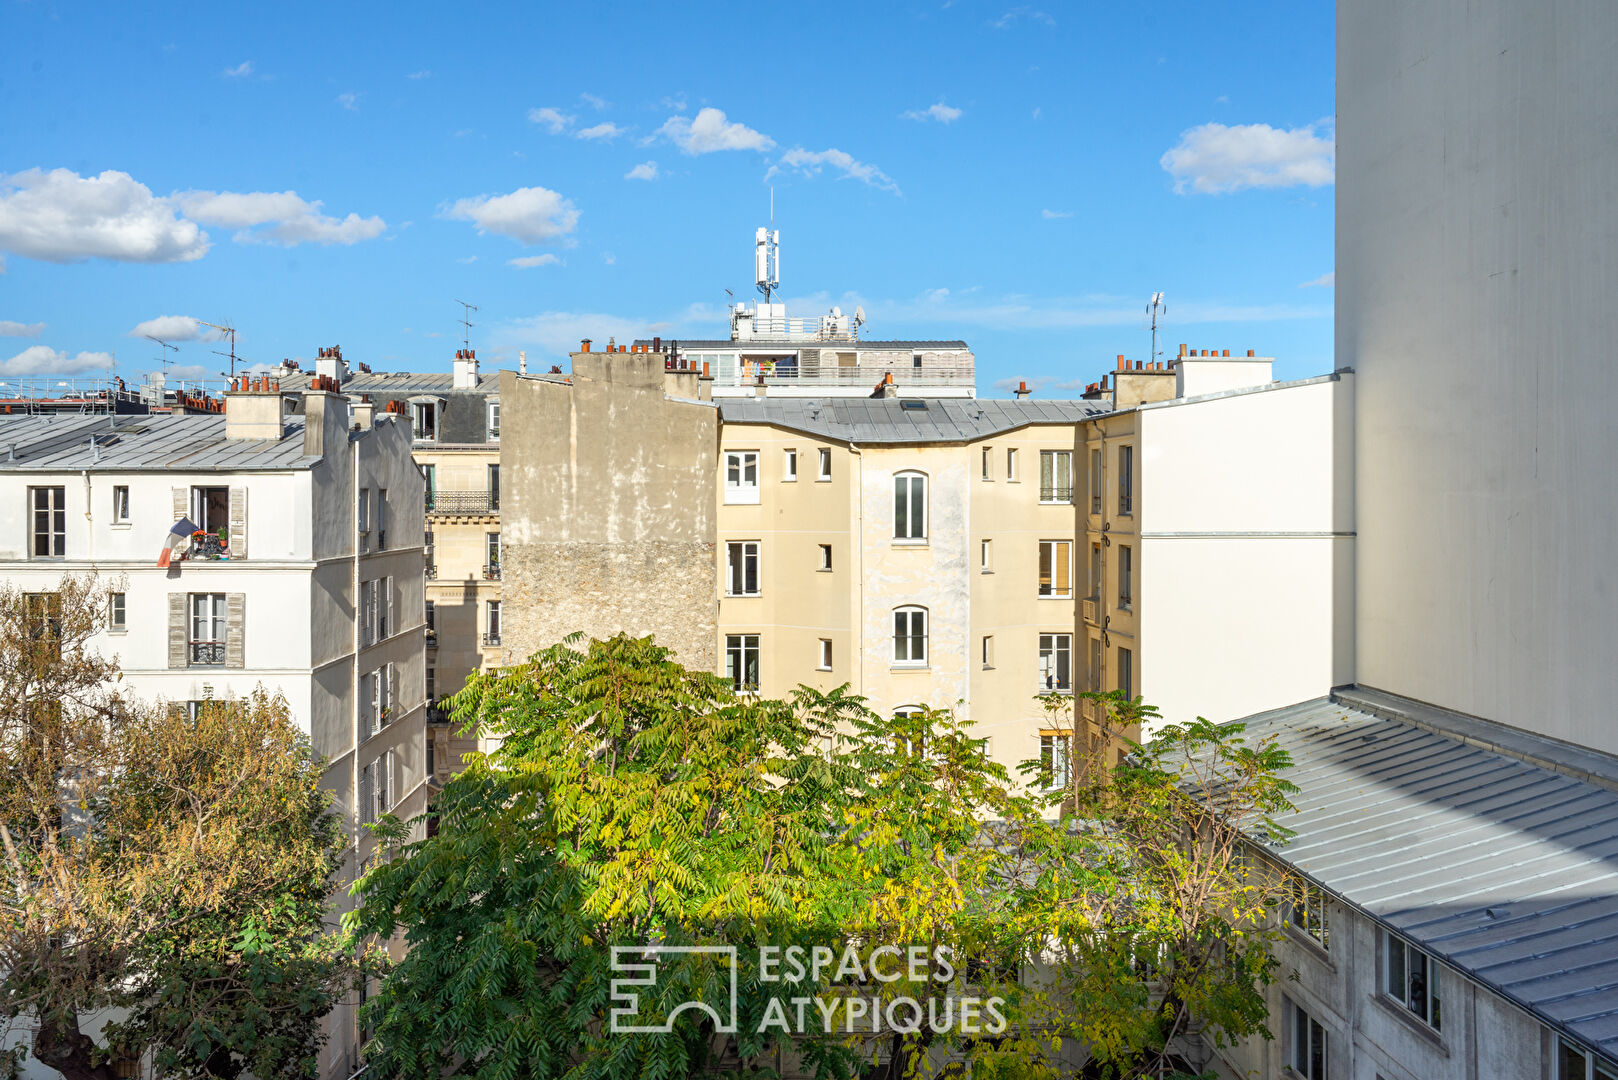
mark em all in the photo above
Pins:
pixel 857 561
pixel 89 517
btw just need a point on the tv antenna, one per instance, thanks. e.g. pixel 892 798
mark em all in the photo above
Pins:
pixel 1156 310
pixel 230 334
pixel 163 358
pixel 466 323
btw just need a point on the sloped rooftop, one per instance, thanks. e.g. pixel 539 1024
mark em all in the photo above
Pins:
pixel 903 420
pixel 192 443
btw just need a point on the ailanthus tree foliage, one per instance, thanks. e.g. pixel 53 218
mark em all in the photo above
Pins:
pixel 173 868
pixel 633 802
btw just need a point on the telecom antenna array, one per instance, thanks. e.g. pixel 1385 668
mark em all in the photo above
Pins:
pixel 767 261
pixel 1156 310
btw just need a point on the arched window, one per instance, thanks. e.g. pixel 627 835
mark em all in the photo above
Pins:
pixel 910 636
pixel 909 506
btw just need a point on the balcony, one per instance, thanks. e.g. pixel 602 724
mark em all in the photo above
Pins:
pixel 206 654
pixel 492 638
pixel 432 571
pixel 463 502
pixel 432 638
pixel 1056 493
pixel 437 715
pixel 491 571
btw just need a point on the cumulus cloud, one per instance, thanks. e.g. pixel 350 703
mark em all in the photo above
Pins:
pixel 528 262
pixel 1052 215
pixel 59 216
pixel 1327 280
pixel 17 329
pixel 290 219
pixel 192 371
pixel 553 120
pixel 646 170
pixel 172 328
pixel 44 360
pixel 240 71
pixel 1216 158
pixel 711 131
pixel 532 215
pixel 810 163
pixel 606 131
pixel 944 114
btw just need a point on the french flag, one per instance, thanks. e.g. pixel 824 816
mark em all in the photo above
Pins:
pixel 178 539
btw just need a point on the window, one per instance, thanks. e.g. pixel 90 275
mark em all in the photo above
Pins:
pixel 381 519
pixel 376 788
pixel 825 463
pixel 910 636
pixel 1095 481
pixel 825 654
pixel 1011 463
pixel 789 466
pixel 207 622
pixel 1307 912
pixel 1095 571
pixel 494 487
pixel 491 623
pixel 741 661
pixel 210 509
pixel 1095 663
pixel 424 420
pixel 1126 479
pixel 371 697
pixel 1307 1050
pixel 49 506
pixel 1411 979
pixel 741 568
pixel 741 476
pixel 1126 673
pixel 429 476
pixel 986 555
pixel 1055 760
pixel 825 556
pixel 491 556
pixel 368 612
pixel 120 504
pixel 1574 1062
pixel 432 628
pixel 988 651
pixel 911 736
pixel 910 506
pixel 364 525
pixel 117 613
pixel 1126 576
pixel 987 453
pixel 384 610
pixel 1056 569
pixel 494 421
pixel 1055 662
pixel 1056 476
pixel 432 685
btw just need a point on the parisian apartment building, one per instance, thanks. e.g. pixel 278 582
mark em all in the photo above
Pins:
pixel 301 574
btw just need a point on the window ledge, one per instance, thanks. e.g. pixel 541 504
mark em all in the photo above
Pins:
pixel 823 570
pixel 123 525
pixel 912 543
pixel 743 596
pixel 909 667
pixel 731 500
pixel 1053 596
pixel 1413 1022
pixel 1309 945
pixel 120 632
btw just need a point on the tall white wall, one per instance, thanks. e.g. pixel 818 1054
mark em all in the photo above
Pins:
pixel 1476 231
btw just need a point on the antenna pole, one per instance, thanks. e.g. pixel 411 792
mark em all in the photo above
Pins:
pixel 230 333
pixel 163 359
pixel 1156 309
pixel 466 323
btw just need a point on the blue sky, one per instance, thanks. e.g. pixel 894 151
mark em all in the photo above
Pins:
pixel 1022 177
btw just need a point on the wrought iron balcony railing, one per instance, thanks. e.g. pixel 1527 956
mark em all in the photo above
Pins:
pixel 491 571
pixel 492 638
pixel 463 502
pixel 1056 493
pixel 207 653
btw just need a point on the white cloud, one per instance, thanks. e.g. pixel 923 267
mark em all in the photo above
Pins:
pixel 594 102
pixel 646 170
pixel 1038 112
pixel 609 258
pixel 528 262
pixel 59 216
pixel 291 219
pixel 422 74
pixel 17 329
pixel 240 71
pixel 606 131
pixel 351 102
pixel 1023 14
pixel 810 162
pixel 1214 158
pixel 944 114
pixel 191 371
pixel 553 120
pixel 467 260
pixel 711 131
pixel 558 333
pixel 173 328
pixel 532 215
pixel 44 360
pixel 1052 215
pixel 1327 280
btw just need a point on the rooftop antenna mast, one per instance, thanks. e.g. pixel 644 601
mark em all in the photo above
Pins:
pixel 230 335
pixel 1156 309
pixel 466 323
pixel 163 358
pixel 767 256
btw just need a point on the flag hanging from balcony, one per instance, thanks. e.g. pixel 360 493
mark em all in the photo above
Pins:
pixel 176 541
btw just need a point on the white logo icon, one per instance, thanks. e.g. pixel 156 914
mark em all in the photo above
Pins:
pixel 626 1002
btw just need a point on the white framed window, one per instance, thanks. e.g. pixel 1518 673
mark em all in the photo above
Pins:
pixel 742 661
pixel 825 556
pixel 789 466
pixel 1126 480
pixel 741 476
pixel 207 627
pixel 424 421
pixel 741 568
pixel 986 555
pixel 1126 673
pixel 210 508
pixel 909 506
pixel 1574 1062
pixel 384 608
pixel 491 556
pixel 117 613
pixel 370 596
pixel 1095 481
pixel 491 622
pixel 381 519
pixel 1307 912
pixel 1011 463
pixel 1306 1045
pixel 494 420
pixel 1056 476
pixel 1056 569
pixel 371 687
pixel 1055 662
pixel 988 468
pixel 910 636
pixel 1056 760
pixel 120 504
pixel 988 651
pixel 48 522
pixel 1410 977
pixel 364 523
pixel 825 654
pixel 907 739
pixel 825 464
pixel 1126 576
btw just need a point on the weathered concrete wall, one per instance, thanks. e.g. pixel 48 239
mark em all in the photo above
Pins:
pixel 608 511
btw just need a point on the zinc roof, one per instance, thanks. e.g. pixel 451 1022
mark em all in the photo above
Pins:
pixel 794 344
pixel 382 383
pixel 1504 869
pixel 189 442
pixel 887 420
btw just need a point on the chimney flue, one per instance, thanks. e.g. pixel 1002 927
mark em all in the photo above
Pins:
pixel 584 346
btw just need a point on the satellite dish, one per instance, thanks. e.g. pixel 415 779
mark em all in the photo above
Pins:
pixel 859 316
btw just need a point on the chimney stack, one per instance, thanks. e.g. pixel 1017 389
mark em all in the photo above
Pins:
pixel 584 346
pixel 522 361
pixel 253 409
pixel 330 363
pixel 1023 391
pixel 466 369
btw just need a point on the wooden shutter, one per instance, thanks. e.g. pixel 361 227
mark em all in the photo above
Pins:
pixel 177 634
pixel 238 523
pixel 235 630
pixel 389 692
pixel 182 503
pixel 367 782
pixel 387 603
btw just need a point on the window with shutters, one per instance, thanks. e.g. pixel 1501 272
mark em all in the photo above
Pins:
pixel 1056 476
pixel 429 479
pixel 369 595
pixel 741 476
pixel 742 661
pixel 210 510
pixel 206 642
pixel 910 637
pixel 364 510
pixel 1056 569
pixel 384 608
pixel 742 568
pixel 367 793
pixel 910 506
pixel 1056 663
pixel 48 522
pixel 371 702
